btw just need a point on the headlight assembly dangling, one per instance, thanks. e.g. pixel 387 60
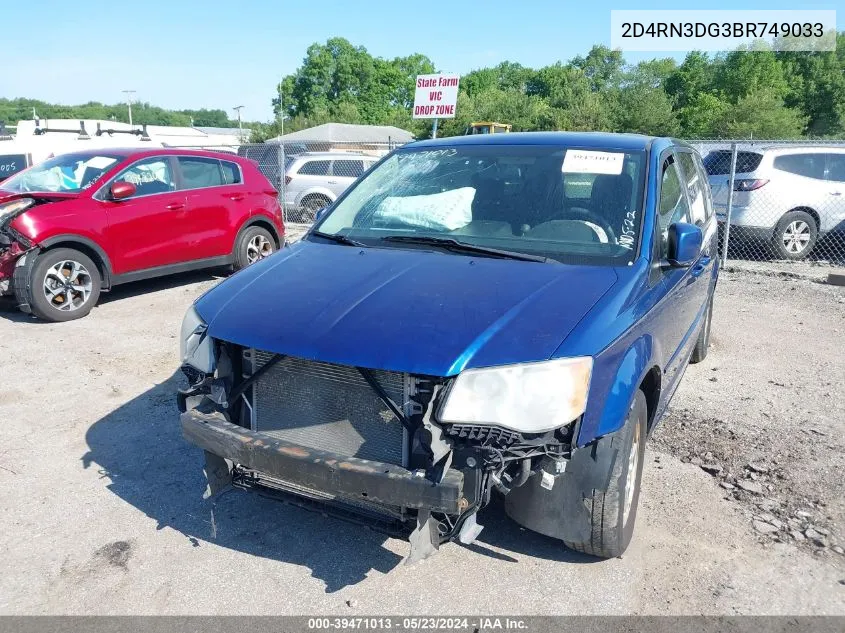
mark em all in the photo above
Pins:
pixel 527 397
pixel 196 348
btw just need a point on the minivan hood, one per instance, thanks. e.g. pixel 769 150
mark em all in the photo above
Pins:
pixel 402 310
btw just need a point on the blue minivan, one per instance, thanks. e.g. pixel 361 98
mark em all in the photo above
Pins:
pixel 493 314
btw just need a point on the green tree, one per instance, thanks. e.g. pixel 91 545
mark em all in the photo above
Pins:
pixel 760 114
pixel 699 117
pixel 602 66
pixel 646 110
pixel 741 72
pixel 693 77
pixel 817 87
pixel 651 74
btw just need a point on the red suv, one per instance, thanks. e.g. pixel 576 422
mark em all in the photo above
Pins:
pixel 82 223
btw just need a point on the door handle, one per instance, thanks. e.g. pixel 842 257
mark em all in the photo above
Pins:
pixel 175 205
pixel 332 182
pixel 836 193
pixel 700 265
pixel 236 196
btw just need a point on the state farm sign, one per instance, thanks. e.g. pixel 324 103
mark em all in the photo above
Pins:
pixel 436 96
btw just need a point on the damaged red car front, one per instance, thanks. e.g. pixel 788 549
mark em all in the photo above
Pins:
pixel 13 243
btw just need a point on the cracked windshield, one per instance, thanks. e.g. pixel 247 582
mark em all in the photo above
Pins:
pixel 561 203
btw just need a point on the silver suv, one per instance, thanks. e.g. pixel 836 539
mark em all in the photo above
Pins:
pixel 787 197
pixel 315 179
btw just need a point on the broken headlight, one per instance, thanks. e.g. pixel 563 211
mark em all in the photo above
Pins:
pixel 15 206
pixel 528 398
pixel 195 346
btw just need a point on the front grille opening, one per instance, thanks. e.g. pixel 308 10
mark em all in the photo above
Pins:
pixel 329 407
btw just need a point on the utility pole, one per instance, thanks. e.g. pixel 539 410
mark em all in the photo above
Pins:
pixel 240 127
pixel 129 94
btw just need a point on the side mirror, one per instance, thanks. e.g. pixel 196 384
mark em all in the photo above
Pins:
pixel 121 190
pixel 685 242
pixel 320 214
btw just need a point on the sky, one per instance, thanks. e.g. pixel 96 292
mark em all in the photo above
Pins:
pixel 209 53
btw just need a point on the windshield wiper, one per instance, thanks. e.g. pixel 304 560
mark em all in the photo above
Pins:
pixel 336 237
pixel 452 244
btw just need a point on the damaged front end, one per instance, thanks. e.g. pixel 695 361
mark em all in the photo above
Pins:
pixel 13 245
pixel 365 445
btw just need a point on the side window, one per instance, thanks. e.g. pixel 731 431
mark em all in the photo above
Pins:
pixel 672 206
pixel 695 188
pixel 150 176
pixel 314 168
pixel 348 168
pixel 808 165
pixel 836 167
pixel 708 194
pixel 231 173
pixel 198 172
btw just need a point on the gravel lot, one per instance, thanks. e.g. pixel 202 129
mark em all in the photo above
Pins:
pixel 742 511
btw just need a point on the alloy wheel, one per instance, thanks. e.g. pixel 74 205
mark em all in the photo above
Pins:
pixel 257 248
pixel 796 236
pixel 67 285
pixel 630 484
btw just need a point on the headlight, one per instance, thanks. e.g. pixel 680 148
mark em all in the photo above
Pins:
pixel 15 206
pixel 195 346
pixel 529 398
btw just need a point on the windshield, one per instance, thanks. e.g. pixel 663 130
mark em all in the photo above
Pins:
pixel 69 173
pixel 567 204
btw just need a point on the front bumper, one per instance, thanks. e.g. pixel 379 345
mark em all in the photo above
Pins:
pixel 322 471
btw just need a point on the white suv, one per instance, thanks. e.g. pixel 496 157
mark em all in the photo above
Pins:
pixel 787 197
pixel 314 180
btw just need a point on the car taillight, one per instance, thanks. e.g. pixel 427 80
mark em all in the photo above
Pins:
pixel 748 184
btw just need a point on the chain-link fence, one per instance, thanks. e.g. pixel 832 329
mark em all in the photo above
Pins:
pixel 778 200
pixel 309 175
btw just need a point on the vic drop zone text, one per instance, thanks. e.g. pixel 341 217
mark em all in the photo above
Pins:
pixel 436 95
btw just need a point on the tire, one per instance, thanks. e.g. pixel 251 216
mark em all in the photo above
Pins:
pixel 310 206
pixel 702 345
pixel 64 284
pixel 795 235
pixel 614 511
pixel 254 243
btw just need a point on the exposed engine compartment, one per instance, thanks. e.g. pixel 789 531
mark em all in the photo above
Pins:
pixel 333 404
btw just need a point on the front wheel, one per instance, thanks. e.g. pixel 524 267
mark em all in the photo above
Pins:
pixel 614 511
pixel 64 284
pixel 702 345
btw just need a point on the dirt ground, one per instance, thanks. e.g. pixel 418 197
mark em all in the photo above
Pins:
pixel 743 501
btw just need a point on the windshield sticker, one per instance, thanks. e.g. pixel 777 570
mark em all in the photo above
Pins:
pixel 579 161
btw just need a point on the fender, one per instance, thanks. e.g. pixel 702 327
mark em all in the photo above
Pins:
pixel 630 373
pixel 89 243
pixel 252 220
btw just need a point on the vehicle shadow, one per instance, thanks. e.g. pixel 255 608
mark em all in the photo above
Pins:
pixel 135 288
pixel 9 310
pixel 140 453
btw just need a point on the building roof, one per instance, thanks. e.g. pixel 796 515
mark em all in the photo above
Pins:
pixel 597 140
pixel 223 131
pixel 348 133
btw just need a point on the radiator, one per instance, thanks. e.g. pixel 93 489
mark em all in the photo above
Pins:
pixel 329 407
